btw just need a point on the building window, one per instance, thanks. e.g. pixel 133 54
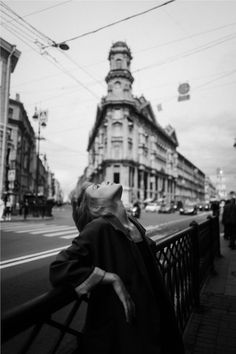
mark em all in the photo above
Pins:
pixel 117 129
pixel 116 177
pixel 118 64
pixel 10 112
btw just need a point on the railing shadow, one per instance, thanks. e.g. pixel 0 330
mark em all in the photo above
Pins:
pixel 185 259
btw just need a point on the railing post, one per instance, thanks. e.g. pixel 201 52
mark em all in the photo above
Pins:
pixel 196 262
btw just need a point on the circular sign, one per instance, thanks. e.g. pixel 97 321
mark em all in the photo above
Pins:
pixel 184 88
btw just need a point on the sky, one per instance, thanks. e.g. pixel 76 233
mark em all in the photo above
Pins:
pixel 183 41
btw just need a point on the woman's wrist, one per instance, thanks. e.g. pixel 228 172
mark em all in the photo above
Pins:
pixel 109 278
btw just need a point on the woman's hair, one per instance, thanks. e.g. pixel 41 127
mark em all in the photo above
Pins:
pixel 86 208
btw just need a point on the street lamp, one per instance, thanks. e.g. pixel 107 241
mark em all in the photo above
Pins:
pixel 40 116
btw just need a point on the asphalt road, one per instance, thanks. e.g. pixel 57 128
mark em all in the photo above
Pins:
pixel 28 248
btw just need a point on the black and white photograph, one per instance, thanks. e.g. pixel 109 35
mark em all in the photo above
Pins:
pixel 118 176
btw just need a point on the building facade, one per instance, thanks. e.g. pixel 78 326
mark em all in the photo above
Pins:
pixel 127 145
pixel 190 184
pixel 9 56
pixel 22 158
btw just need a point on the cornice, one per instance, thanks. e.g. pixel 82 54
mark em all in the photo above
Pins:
pixel 119 73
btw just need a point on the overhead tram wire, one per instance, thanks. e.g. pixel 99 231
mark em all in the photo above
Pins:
pixel 5 22
pixel 42 46
pixel 42 35
pixel 62 68
pixel 81 68
pixel 45 9
pixel 118 21
pixel 173 97
pixel 29 45
pixel 186 37
pixel 57 64
pixel 189 52
pixel 17 31
pixel 162 44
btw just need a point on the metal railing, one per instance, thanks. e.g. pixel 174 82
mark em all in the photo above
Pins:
pixel 185 260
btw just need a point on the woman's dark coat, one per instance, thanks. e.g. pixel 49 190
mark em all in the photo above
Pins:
pixel 106 244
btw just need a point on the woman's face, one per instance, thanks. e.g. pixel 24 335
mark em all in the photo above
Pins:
pixel 105 190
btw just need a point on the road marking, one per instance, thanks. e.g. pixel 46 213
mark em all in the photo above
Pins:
pixel 22 226
pixel 38 229
pixel 59 233
pixel 30 258
pixel 69 236
pixel 57 228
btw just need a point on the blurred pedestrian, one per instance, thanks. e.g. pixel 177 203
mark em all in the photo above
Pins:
pixel 26 209
pixel 226 219
pixel 215 207
pixel 114 264
pixel 232 224
pixel 1 209
pixel 8 210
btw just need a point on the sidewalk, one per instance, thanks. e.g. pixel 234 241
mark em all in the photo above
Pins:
pixel 212 329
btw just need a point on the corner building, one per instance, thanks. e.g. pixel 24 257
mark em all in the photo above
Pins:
pixel 126 144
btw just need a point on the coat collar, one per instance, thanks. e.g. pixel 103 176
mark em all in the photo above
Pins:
pixel 117 225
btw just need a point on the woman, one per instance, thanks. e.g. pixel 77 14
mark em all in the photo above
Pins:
pixel 111 261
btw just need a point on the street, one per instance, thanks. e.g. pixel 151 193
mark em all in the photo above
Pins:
pixel 28 248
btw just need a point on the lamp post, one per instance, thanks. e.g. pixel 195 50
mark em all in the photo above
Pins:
pixel 40 116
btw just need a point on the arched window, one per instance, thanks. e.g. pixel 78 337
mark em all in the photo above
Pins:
pixel 118 64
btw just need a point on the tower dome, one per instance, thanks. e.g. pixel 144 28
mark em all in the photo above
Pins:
pixel 120 47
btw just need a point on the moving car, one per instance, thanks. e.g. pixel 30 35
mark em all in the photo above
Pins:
pixel 188 209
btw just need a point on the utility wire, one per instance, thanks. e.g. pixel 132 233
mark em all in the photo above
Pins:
pixel 118 21
pixel 190 52
pixel 171 98
pixel 81 68
pixel 54 59
pixel 20 37
pixel 17 31
pixel 43 10
pixel 187 37
pixel 51 42
pixel 149 48
pixel 23 28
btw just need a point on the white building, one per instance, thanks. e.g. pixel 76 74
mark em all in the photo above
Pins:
pixel 127 145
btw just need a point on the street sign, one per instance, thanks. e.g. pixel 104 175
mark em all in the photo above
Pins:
pixel 183 90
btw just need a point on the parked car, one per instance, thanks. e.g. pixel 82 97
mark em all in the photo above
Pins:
pixel 188 209
pixel 207 207
pixel 152 207
pixel 200 207
pixel 166 209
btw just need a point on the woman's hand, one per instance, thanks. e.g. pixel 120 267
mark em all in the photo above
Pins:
pixel 122 293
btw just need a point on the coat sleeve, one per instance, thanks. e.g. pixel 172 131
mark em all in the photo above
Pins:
pixel 75 266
